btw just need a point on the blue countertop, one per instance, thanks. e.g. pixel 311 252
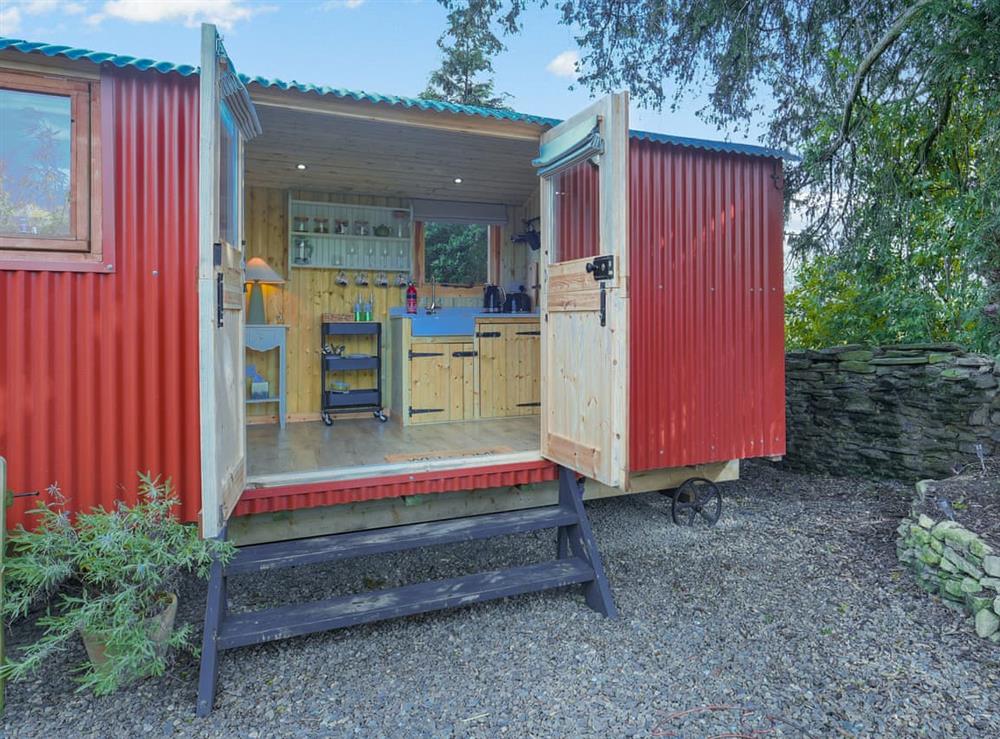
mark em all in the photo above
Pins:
pixel 449 321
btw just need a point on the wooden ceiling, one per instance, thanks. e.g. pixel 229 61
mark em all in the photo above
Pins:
pixel 360 155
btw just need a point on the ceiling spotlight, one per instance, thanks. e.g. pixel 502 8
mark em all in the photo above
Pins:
pixel 300 166
pixel 458 180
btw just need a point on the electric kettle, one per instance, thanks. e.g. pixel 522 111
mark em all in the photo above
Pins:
pixel 493 297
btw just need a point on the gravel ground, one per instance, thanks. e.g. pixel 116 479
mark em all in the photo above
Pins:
pixel 789 618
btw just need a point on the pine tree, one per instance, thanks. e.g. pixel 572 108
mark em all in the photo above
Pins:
pixel 466 72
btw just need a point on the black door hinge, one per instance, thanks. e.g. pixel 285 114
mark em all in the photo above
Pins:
pixel 220 311
pixel 488 334
pixel 464 354
pixel 417 411
pixel 414 354
pixel 219 284
pixel 528 405
pixel 529 333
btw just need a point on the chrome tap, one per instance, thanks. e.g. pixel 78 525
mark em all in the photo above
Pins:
pixel 433 307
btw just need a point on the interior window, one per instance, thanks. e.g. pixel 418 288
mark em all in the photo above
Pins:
pixel 456 254
pixel 49 199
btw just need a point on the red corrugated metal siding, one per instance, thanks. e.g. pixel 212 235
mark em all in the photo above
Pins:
pixel 577 212
pixel 99 377
pixel 706 355
pixel 291 497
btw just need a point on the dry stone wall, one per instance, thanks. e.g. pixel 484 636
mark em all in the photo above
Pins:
pixel 906 411
pixel 949 560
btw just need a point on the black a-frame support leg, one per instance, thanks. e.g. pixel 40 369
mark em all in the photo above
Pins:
pixel 577 540
pixel 215 611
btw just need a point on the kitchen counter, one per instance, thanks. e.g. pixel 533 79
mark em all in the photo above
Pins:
pixel 451 321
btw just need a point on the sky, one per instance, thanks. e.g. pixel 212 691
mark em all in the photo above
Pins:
pixel 385 46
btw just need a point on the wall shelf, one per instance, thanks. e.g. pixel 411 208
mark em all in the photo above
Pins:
pixel 349 251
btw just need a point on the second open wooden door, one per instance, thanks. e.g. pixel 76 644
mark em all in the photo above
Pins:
pixel 583 165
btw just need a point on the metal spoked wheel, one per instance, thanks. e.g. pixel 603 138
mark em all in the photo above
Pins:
pixel 696 500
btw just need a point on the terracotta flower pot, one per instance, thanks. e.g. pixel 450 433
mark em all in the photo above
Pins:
pixel 160 626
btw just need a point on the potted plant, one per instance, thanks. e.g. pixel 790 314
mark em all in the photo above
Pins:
pixel 109 576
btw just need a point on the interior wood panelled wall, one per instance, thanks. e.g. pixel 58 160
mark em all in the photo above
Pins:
pixel 308 293
pixel 518 263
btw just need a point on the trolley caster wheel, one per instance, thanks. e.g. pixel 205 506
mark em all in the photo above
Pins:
pixel 380 415
pixel 696 499
pixel 327 419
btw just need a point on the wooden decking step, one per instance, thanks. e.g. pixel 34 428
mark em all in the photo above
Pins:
pixel 243 629
pixel 578 562
pixel 299 552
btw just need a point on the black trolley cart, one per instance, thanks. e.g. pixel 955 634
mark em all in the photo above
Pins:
pixel 363 399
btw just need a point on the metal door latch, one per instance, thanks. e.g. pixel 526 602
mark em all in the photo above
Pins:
pixel 603 269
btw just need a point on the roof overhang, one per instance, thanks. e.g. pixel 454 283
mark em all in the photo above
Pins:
pixel 359 104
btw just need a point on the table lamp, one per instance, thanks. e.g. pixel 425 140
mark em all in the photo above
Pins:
pixel 259 273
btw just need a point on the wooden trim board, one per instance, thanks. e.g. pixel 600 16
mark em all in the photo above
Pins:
pixel 453 454
pixel 370 471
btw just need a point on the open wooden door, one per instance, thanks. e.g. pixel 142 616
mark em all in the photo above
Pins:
pixel 583 165
pixel 227 119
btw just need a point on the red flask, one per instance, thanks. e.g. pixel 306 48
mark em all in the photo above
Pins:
pixel 411 298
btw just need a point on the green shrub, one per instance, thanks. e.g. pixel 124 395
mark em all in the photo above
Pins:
pixel 105 573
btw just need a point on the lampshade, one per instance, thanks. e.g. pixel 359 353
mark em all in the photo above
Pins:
pixel 260 271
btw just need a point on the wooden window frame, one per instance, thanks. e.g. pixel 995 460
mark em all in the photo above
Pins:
pixel 84 250
pixel 493 234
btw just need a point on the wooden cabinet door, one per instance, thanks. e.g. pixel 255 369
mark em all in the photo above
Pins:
pixel 430 376
pixel 491 340
pixel 509 365
pixel 441 387
pixel 522 357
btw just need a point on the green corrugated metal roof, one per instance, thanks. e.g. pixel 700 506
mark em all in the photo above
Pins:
pixel 97 57
pixel 121 61
pixel 185 70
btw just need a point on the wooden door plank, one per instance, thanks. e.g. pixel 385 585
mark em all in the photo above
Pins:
pixel 468 382
pixel 487 375
pixel 456 383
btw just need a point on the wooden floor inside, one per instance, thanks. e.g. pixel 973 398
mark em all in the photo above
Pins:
pixel 311 447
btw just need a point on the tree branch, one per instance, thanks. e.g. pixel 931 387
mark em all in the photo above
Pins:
pixel 927 143
pixel 873 55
